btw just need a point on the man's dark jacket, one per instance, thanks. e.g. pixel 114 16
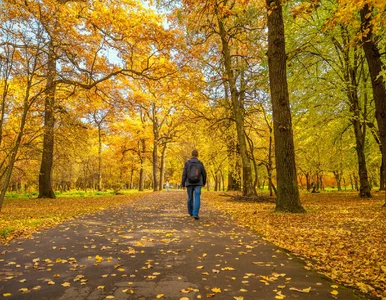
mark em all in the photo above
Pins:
pixel 185 180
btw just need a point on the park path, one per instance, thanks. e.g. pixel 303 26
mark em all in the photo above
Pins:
pixel 153 250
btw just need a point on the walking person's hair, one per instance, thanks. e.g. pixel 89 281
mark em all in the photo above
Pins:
pixel 195 153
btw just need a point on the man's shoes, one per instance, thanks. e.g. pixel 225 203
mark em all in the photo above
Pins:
pixel 196 218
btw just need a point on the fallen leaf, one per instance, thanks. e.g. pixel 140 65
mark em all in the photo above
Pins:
pixel 334 292
pixel 159 296
pixel 307 290
pixel 216 290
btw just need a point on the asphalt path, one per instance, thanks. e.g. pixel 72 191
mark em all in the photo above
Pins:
pixel 152 249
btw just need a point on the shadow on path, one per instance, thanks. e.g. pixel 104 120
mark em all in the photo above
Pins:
pixel 153 250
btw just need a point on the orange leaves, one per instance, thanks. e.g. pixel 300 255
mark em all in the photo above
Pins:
pixel 334 233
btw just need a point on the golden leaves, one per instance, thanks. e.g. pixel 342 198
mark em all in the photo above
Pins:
pixel 334 234
pixel 26 216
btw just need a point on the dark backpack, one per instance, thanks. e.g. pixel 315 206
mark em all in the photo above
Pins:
pixel 194 172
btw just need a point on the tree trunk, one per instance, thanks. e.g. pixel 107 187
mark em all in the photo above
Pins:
pixel 287 189
pixel 162 170
pixel 131 179
pixel 154 119
pixel 350 67
pixel 382 177
pixel 238 113
pixel 99 158
pixel 234 166
pixel 141 183
pixel 155 167
pixel 376 65
pixel 45 175
pixel 15 149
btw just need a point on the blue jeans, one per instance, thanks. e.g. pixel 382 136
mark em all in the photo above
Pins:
pixel 194 194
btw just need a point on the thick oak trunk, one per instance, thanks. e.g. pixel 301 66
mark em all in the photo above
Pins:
pixel 287 188
pixel 45 175
pixel 375 64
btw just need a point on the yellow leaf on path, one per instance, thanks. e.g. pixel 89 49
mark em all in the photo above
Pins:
pixel 110 297
pixel 280 297
pixel 200 267
pixel 334 292
pixel 307 290
pixel 159 296
pixel 23 290
pixel 334 286
pixel 243 290
pixel 7 294
pixel 210 295
pixel 66 284
pixel 100 287
pixel 51 282
pixel 216 290
pixel 238 298
pixel 184 298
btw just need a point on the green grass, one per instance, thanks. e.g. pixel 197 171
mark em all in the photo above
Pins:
pixel 69 194
pixel 5 231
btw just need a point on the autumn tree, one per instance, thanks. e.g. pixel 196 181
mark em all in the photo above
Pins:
pixel 21 84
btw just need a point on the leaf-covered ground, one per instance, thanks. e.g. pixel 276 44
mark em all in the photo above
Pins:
pixel 341 236
pixel 21 217
pixel 151 248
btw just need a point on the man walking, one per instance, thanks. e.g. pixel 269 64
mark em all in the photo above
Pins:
pixel 194 177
